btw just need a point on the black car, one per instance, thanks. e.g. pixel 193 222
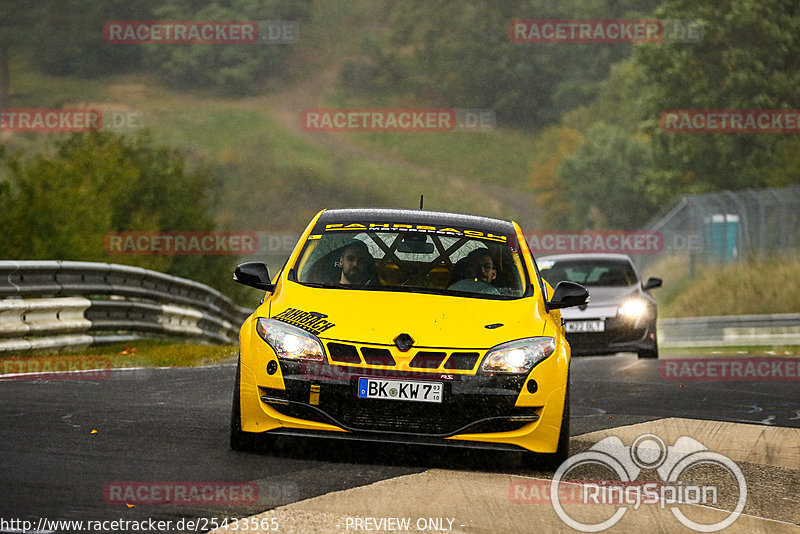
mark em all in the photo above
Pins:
pixel 621 315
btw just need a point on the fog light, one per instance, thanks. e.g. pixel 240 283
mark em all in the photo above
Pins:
pixel 272 367
pixel 533 387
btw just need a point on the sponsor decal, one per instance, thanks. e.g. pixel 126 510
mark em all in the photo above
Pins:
pixel 595 241
pixel 55 368
pixel 394 227
pixel 730 369
pixel 313 322
pixel 731 121
pixel 649 452
pixel 181 493
pixel 200 32
pixel 181 243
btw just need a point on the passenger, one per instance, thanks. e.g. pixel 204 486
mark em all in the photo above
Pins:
pixel 482 265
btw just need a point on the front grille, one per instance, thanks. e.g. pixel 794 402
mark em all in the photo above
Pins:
pixel 427 360
pixel 373 356
pixel 462 360
pixel 423 359
pixel 340 352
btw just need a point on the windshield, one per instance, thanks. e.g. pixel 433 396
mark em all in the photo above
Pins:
pixel 589 273
pixel 413 262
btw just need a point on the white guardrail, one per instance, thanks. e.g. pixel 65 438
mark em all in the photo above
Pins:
pixel 58 304
pixel 730 331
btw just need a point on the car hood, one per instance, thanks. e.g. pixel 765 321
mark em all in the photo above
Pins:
pixel 378 317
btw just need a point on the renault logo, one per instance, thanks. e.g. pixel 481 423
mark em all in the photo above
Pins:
pixel 403 342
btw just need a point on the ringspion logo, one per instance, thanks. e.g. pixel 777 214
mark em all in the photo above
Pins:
pixel 649 452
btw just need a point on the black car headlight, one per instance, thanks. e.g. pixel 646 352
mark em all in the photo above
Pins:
pixel 520 356
pixel 290 342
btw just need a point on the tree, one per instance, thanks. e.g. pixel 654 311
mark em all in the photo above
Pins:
pixel 459 54
pixel 15 32
pixel 552 146
pixel 608 180
pixel 231 68
pixel 749 58
pixel 62 205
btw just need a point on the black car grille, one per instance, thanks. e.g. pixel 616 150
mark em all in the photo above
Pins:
pixel 423 359
pixel 477 404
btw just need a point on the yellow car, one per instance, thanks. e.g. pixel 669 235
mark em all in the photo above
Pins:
pixel 410 327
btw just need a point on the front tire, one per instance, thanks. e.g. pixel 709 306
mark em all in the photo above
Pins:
pixel 651 353
pixel 240 440
pixel 551 461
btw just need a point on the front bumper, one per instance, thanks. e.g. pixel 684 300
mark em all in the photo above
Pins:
pixel 497 412
pixel 620 335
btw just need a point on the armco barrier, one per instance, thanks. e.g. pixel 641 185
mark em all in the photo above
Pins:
pixel 730 331
pixel 44 305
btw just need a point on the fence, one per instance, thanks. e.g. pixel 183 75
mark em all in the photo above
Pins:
pixel 732 225
pixel 56 304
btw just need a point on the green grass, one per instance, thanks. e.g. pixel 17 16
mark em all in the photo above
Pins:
pixel 500 156
pixel 755 287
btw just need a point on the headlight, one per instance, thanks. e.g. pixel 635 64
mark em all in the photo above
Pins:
pixel 289 341
pixel 518 356
pixel 633 308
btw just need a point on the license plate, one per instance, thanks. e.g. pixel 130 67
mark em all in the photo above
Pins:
pixel 405 390
pixel 585 326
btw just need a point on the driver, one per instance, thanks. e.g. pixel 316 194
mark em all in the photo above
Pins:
pixel 357 264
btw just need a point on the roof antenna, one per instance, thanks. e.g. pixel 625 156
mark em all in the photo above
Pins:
pixel 420 201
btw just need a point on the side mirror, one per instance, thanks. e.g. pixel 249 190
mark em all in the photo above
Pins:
pixel 568 294
pixel 254 274
pixel 652 282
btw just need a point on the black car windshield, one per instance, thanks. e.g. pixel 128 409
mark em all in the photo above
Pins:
pixel 414 262
pixel 593 272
